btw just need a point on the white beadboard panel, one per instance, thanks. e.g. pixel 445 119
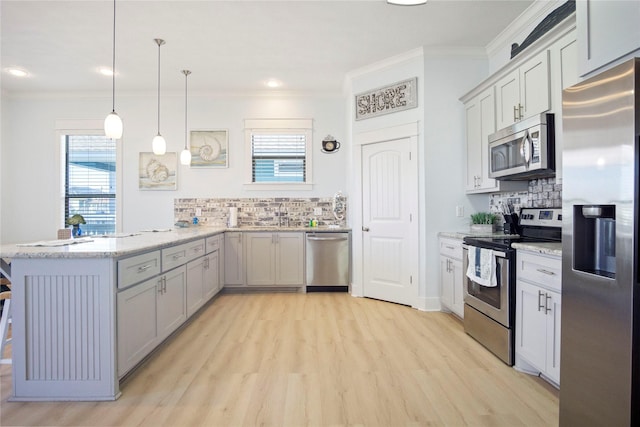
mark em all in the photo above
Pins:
pixel 64 336
pixel 62 314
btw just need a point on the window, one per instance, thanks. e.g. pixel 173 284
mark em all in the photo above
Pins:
pixel 90 181
pixel 278 157
pixel 280 153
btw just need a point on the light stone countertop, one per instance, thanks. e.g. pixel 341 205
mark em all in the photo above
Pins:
pixel 545 248
pixel 116 247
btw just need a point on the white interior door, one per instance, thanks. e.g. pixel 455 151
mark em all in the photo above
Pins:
pixel 389 220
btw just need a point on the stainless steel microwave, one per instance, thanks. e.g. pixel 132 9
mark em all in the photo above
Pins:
pixel 524 150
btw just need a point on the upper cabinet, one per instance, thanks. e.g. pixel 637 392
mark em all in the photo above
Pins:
pixel 524 92
pixel 607 31
pixel 529 85
pixel 480 121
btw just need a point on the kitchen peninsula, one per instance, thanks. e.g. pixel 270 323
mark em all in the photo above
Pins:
pixel 85 314
pixel 77 327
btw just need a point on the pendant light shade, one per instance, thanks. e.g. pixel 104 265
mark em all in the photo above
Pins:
pixel 113 123
pixel 159 145
pixel 113 126
pixel 185 155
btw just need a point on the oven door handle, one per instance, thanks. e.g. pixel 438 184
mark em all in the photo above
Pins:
pixel 495 253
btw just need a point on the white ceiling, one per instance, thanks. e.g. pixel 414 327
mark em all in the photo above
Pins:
pixel 230 46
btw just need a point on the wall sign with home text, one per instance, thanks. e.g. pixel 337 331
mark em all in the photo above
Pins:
pixel 389 99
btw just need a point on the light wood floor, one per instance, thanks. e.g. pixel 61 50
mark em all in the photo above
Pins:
pixel 310 359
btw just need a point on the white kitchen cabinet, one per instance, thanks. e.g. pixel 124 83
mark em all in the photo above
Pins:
pixel 564 74
pixel 211 275
pixel 480 122
pixel 274 259
pixel 195 285
pixel 524 92
pixel 538 313
pixel 181 254
pixel 607 31
pixel 233 259
pixel 137 324
pixel 451 275
pixel 147 314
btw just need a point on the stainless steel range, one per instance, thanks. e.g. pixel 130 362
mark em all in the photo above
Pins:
pixel 489 308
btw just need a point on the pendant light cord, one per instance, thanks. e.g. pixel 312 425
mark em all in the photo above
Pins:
pixel 186 75
pixel 159 44
pixel 113 67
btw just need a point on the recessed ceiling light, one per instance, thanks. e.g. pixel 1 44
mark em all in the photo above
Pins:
pixel 17 72
pixel 407 2
pixel 106 71
pixel 273 83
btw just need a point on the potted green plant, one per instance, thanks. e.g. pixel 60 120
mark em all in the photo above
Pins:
pixel 75 221
pixel 482 222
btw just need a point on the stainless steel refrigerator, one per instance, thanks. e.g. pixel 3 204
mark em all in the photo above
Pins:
pixel 600 353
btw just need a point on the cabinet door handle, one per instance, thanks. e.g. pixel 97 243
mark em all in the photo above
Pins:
pixel 547 272
pixel 178 256
pixel 160 286
pixel 547 301
pixel 197 249
pixel 449 247
pixel 540 305
pixel 515 113
pixel 520 109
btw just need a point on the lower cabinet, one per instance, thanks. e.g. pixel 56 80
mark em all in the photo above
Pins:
pixel 538 313
pixel 233 259
pixel 147 314
pixel 451 275
pixel 202 281
pixel 274 259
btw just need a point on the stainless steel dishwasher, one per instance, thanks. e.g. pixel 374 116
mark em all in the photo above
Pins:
pixel 328 262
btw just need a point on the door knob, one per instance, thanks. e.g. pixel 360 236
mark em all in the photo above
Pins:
pixel 365 228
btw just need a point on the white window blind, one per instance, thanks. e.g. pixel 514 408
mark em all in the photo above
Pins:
pixel 278 157
pixel 90 181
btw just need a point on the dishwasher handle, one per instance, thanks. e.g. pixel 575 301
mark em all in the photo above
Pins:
pixel 316 238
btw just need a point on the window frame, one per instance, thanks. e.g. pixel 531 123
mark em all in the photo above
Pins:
pixel 271 126
pixel 84 127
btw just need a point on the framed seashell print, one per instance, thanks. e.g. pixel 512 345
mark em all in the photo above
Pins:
pixel 157 172
pixel 209 148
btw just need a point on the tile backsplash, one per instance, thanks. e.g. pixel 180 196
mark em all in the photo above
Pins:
pixel 542 193
pixel 264 211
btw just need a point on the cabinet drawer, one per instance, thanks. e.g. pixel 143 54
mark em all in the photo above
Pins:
pixel 138 268
pixel 539 269
pixel 213 243
pixel 181 254
pixel 451 248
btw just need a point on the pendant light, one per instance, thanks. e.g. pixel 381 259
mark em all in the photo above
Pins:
pixel 185 155
pixel 159 144
pixel 113 122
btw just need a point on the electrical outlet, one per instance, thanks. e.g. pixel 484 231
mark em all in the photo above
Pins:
pixel 198 211
pixel 459 211
pixel 317 211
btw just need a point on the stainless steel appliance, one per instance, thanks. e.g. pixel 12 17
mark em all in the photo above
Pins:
pixel 489 311
pixel 600 347
pixel 523 150
pixel 328 261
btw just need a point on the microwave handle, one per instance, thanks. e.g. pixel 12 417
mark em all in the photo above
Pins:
pixel 526 147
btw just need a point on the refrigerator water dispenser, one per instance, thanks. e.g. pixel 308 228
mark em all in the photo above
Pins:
pixel 594 239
